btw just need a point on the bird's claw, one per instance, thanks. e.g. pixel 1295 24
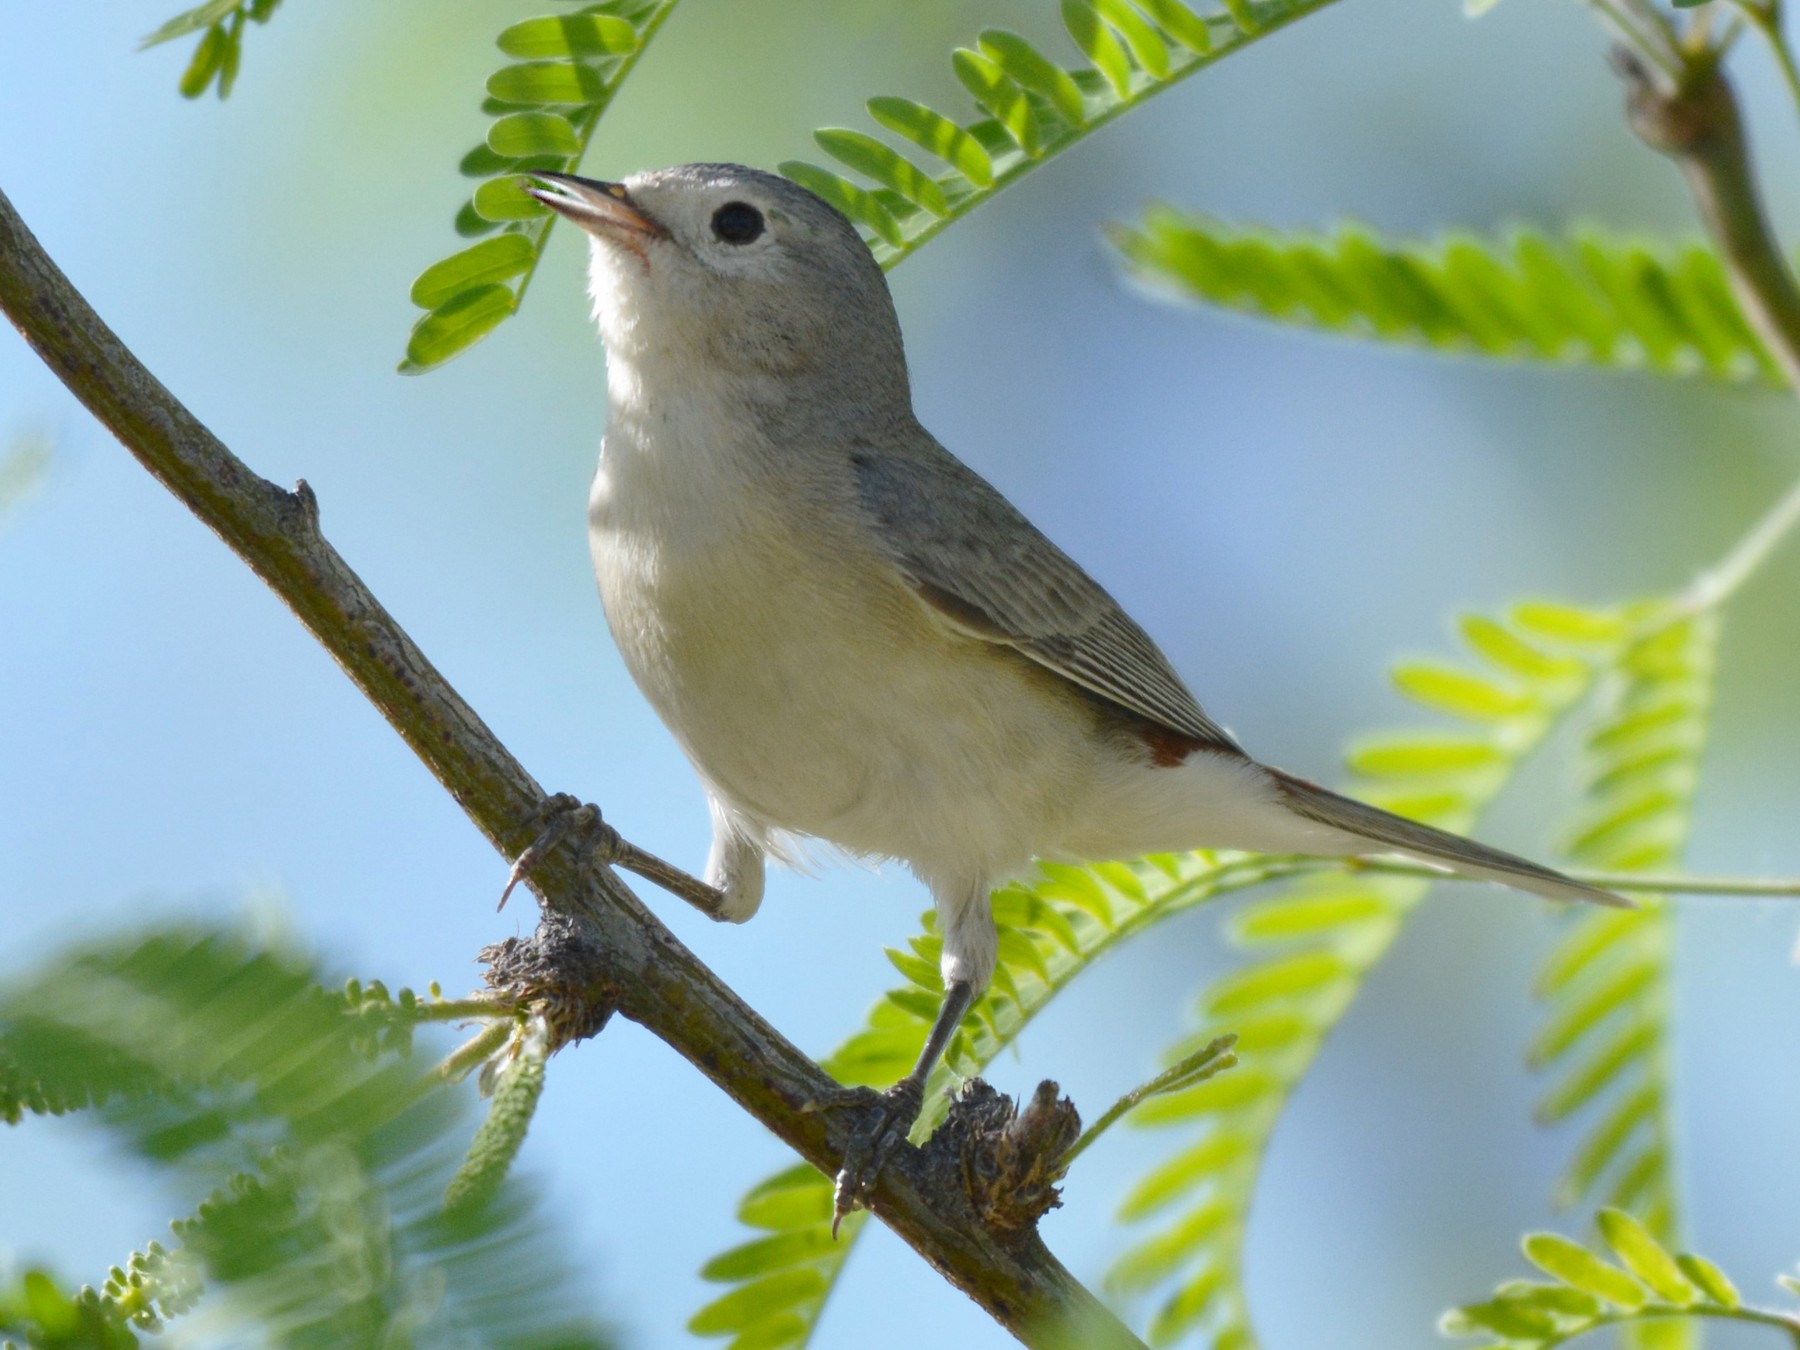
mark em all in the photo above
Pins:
pixel 873 1144
pixel 563 814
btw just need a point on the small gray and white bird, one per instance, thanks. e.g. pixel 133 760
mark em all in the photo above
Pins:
pixel 852 635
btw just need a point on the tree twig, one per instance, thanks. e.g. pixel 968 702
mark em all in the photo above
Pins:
pixel 1698 125
pixel 628 960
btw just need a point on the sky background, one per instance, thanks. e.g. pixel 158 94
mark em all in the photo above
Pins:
pixel 1285 513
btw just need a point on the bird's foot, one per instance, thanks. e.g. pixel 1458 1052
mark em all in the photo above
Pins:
pixel 874 1143
pixel 563 815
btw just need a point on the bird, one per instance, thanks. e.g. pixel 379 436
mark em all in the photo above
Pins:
pixel 853 636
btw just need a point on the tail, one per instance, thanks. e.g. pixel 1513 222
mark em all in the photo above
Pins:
pixel 1465 856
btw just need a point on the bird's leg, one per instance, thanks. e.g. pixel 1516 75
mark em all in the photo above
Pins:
pixel 600 843
pixel 897 1108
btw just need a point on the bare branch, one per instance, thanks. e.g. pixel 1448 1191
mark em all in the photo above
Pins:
pixel 596 940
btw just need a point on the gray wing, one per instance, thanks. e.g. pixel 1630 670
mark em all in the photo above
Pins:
pixel 970 554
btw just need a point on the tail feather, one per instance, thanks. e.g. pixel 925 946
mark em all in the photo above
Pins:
pixel 1421 842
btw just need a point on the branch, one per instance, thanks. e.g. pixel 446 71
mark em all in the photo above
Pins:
pixel 1696 122
pixel 597 943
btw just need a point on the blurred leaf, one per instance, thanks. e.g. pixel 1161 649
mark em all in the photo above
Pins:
pixel 1185 1073
pixel 1580 1269
pixel 1590 1293
pixel 229 1067
pixel 1332 929
pixel 502 1134
pixel 1709 1280
pixel 1644 1256
pixel 1461 693
pixel 220 24
pixel 1592 298
pixel 23 467
pixel 1607 983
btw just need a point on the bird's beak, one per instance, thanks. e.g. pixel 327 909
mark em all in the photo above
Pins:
pixel 604 210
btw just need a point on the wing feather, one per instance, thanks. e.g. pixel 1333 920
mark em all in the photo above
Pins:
pixel 972 556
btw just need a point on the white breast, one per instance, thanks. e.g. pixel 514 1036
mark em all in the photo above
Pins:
pixel 810 687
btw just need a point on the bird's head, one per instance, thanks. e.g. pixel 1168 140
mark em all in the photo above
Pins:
pixel 742 269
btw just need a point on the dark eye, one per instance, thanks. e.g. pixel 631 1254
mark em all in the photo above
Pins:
pixel 737 222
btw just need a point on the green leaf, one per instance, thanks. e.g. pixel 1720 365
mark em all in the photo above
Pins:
pixel 457 324
pixel 1070 916
pixel 1458 692
pixel 1579 1268
pixel 1034 71
pixel 1567 624
pixel 1605 1143
pixel 1284 980
pixel 230 1070
pixel 1607 982
pixel 1184 1173
pixel 209 55
pixel 574 62
pixel 1146 44
pixel 1709 1280
pixel 1182 24
pixel 1579 1014
pixel 1150 1263
pixel 771 1253
pixel 568 35
pixel 194 20
pixel 792 1197
pixel 1289 918
pixel 493 260
pixel 857 203
pixel 1039 108
pixel 502 1134
pixel 1515 1320
pixel 1590 938
pixel 936 133
pixel 1185 1309
pixel 1613 1059
pixel 220 49
pixel 749 1303
pixel 994 89
pixel 504 199
pixel 1097 43
pixel 522 135
pixel 568 82
pixel 872 159
pixel 1506 649
pixel 1335 929
pixel 1531 1316
pixel 1422 756
pixel 1590 298
pixel 1645 1257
